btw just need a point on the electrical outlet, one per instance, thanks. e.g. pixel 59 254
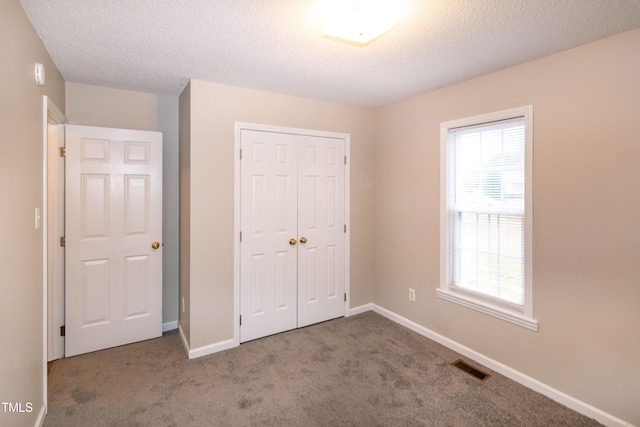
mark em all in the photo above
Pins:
pixel 412 295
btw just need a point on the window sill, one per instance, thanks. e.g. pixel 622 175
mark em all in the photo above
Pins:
pixel 490 309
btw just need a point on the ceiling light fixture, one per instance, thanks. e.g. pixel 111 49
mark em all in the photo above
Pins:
pixel 360 21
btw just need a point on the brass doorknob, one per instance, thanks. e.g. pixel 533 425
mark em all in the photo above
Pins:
pixel 303 240
pixel 292 242
pixel 155 245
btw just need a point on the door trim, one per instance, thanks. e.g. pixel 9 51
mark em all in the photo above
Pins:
pixel 55 229
pixel 50 115
pixel 239 127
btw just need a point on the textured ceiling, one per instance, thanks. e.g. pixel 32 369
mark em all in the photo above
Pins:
pixel 156 46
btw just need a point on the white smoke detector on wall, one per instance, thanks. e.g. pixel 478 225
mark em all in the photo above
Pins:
pixel 39 72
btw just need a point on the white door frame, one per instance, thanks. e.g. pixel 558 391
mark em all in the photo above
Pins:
pixel 239 126
pixel 55 229
pixel 50 115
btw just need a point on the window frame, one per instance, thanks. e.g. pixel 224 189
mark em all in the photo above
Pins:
pixel 521 316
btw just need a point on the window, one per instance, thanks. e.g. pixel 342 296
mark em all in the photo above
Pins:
pixel 486 222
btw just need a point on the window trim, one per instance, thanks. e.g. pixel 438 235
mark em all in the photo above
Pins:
pixel 519 317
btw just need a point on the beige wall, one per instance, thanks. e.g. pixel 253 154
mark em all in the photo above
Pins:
pixel 99 106
pixel 185 212
pixel 21 122
pixel 213 110
pixel 586 229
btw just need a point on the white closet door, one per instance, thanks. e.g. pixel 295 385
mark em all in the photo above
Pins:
pixel 268 266
pixel 292 253
pixel 321 219
pixel 113 216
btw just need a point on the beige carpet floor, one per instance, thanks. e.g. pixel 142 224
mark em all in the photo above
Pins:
pixel 364 370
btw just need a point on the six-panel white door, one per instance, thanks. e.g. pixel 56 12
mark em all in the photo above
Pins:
pixel 268 260
pixel 321 220
pixel 292 254
pixel 113 211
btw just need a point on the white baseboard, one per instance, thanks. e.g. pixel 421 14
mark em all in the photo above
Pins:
pixel 185 344
pixel 169 326
pixel 211 348
pixel 544 389
pixel 194 353
pixel 41 415
pixel 361 309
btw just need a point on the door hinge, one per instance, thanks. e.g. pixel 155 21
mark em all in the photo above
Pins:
pixel 345 297
pixel 345 228
pixel 63 151
pixel 62 241
pixel 241 154
pixel 62 331
pixel 241 236
pixel 345 160
pixel 241 320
